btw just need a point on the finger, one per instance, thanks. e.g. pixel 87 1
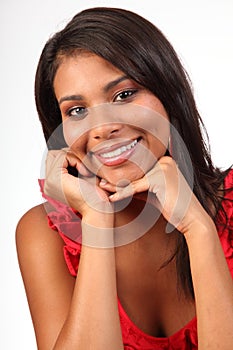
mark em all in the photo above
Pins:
pixel 55 160
pixel 51 155
pixel 56 164
pixel 138 186
pixel 107 186
pixel 70 159
pixel 75 162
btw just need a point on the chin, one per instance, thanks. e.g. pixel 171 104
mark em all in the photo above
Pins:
pixel 121 177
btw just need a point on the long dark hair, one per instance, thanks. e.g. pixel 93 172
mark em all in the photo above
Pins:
pixel 142 52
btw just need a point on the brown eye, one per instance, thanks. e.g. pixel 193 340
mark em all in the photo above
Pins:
pixel 124 95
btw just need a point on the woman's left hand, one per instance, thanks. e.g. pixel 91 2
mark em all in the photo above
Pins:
pixel 169 192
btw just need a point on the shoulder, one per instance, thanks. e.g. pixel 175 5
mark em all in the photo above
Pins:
pixel 40 252
pixel 32 217
pixel 32 222
pixel 34 238
pixel 47 281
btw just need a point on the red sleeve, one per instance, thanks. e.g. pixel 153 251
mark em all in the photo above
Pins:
pixel 225 223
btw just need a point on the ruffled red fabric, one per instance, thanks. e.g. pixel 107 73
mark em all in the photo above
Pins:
pixel 67 222
pixel 226 231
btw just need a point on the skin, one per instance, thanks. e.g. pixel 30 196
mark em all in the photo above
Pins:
pixel 154 305
pixel 85 136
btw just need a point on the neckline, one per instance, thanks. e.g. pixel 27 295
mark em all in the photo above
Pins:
pixel 189 325
pixel 192 323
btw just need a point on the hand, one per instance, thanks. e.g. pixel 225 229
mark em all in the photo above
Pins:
pixel 168 191
pixel 81 193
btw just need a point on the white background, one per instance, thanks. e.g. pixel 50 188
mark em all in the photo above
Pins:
pixel 201 31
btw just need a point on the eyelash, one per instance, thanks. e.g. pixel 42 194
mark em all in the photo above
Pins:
pixel 125 95
pixel 82 112
pixel 129 93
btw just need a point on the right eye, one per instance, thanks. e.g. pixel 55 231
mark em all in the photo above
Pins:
pixel 77 112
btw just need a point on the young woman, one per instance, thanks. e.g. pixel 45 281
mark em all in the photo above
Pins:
pixel 133 248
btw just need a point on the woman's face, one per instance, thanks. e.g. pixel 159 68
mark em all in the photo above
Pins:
pixel 115 126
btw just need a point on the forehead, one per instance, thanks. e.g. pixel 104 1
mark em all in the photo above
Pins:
pixel 82 68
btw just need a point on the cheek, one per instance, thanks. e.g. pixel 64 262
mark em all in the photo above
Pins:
pixel 72 132
pixel 75 137
pixel 160 140
pixel 153 122
pixel 159 148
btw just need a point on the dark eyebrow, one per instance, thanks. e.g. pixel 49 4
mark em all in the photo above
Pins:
pixel 113 83
pixel 70 98
pixel 106 88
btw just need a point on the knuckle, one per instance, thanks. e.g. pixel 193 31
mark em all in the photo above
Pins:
pixel 168 164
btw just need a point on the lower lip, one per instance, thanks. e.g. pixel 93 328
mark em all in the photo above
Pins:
pixel 122 158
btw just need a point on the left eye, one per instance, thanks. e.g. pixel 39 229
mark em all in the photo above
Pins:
pixel 77 112
pixel 123 95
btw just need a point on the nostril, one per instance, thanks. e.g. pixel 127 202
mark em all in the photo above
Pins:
pixel 105 131
pixel 114 131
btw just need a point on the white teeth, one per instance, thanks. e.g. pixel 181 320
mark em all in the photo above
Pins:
pixel 119 150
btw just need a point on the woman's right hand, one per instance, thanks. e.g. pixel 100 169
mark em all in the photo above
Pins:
pixel 81 193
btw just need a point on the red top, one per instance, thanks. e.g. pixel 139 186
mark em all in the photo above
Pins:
pixel 66 221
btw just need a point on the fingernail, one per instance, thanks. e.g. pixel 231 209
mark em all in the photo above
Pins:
pixel 114 197
pixel 103 182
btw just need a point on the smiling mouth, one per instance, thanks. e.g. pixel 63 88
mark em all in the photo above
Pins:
pixel 118 155
pixel 119 150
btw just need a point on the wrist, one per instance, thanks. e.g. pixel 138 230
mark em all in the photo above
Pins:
pixel 98 219
pixel 203 231
pixel 98 229
pixel 95 235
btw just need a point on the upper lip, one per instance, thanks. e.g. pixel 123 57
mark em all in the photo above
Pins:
pixel 109 146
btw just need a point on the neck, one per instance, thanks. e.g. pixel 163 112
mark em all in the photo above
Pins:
pixel 139 222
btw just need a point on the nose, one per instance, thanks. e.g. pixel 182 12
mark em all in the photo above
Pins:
pixel 105 122
pixel 106 131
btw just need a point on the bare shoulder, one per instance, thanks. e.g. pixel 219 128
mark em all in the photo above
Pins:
pixel 48 283
pixel 32 230
pixel 35 240
pixel 34 218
